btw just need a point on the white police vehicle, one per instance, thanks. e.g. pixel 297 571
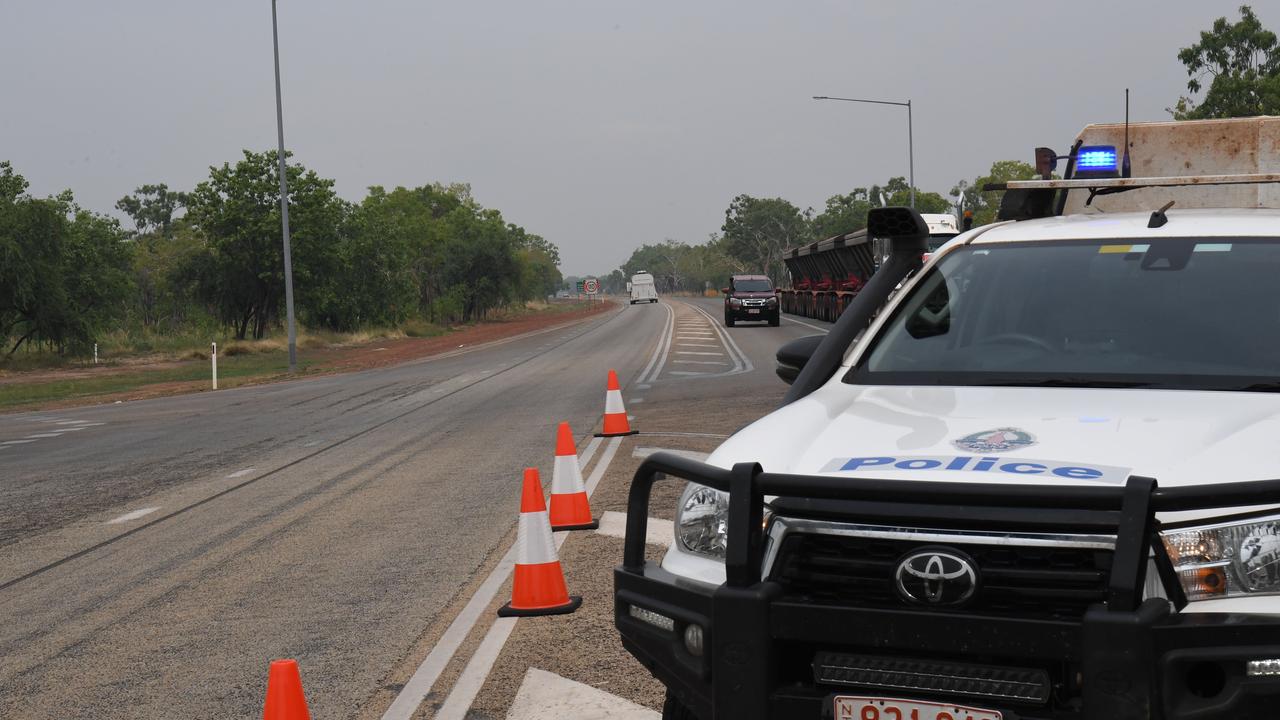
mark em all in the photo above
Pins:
pixel 1036 483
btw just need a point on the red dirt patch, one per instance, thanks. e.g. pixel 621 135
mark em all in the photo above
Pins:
pixel 381 352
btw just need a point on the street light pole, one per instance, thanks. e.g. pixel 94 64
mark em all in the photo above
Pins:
pixel 284 203
pixel 911 150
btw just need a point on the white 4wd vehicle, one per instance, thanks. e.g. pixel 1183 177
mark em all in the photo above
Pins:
pixel 1037 485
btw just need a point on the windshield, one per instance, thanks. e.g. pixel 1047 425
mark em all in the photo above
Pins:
pixel 752 286
pixel 1176 313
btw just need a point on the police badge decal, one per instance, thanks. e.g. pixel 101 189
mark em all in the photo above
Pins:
pixel 998 440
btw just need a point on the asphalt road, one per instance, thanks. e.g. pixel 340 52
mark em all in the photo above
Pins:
pixel 155 555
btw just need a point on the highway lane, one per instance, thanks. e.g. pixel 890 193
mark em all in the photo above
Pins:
pixel 683 407
pixel 342 553
pixel 330 519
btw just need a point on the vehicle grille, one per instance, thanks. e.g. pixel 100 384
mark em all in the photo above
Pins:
pixel 1017 581
pixel 932 676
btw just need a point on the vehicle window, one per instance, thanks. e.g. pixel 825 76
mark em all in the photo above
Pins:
pixel 1179 312
pixel 752 286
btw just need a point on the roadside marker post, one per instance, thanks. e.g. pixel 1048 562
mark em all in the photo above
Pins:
pixel 95 353
pixel 214 357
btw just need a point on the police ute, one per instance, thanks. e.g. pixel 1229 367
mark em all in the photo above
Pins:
pixel 1038 481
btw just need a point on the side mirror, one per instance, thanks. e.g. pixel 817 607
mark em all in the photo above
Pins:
pixel 725 290
pixel 793 356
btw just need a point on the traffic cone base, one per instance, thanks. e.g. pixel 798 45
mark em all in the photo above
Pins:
pixel 543 592
pixel 574 603
pixel 572 512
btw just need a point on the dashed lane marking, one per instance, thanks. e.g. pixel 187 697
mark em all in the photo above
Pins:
pixel 547 696
pixel 688 373
pixel 16 442
pixel 241 473
pixel 635 400
pixel 697 362
pixel 43 435
pixel 696 352
pixel 657 531
pixel 134 515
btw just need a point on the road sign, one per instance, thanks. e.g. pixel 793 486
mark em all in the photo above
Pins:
pixel 577 287
pixel 591 286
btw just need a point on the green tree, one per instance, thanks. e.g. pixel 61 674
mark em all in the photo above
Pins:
pixel 152 208
pixel 847 213
pixel 63 270
pixel 757 231
pixel 238 211
pixel 1241 62
pixel 985 204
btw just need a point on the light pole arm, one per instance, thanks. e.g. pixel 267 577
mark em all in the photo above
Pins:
pixel 911 150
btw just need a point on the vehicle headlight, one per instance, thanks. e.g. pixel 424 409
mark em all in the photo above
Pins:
pixel 735 302
pixel 773 300
pixel 1227 559
pixel 702 520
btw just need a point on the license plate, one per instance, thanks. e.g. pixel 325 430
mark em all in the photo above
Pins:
pixel 753 312
pixel 850 707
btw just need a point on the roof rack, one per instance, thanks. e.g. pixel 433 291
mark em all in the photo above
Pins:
pixel 1127 183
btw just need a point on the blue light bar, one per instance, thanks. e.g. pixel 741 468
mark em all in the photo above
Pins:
pixel 1096 158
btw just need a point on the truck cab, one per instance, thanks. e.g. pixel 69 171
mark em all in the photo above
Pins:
pixel 1033 478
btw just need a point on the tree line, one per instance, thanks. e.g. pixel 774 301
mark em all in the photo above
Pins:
pixel 213 256
pixel 757 232
pixel 1235 64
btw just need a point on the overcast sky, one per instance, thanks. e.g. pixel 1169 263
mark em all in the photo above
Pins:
pixel 601 125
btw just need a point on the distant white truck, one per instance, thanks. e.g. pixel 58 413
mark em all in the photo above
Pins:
pixel 642 288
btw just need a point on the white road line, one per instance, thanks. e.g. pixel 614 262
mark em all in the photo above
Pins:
pixel 425 677
pixel 741 361
pixel 644 452
pixel 683 434
pixel 635 400
pixel 694 352
pixel 16 442
pixel 686 372
pixel 799 322
pixel 71 429
pixel 132 515
pixel 70 422
pixel 547 696
pixel 657 532
pixel 664 340
pixel 43 435
pixel 697 362
pixel 241 473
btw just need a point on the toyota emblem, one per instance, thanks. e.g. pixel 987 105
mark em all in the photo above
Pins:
pixel 936 576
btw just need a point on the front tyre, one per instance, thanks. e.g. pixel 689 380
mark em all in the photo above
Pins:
pixel 728 320
pixel 775 319
pixel 673 709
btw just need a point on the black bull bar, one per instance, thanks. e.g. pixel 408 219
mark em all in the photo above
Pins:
pixel 1124 646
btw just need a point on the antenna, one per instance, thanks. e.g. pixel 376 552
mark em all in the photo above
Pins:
pixel 1124 168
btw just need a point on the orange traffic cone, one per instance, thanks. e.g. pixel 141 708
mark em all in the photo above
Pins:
pixel 570 509
pixel 538 586
pixel 615 415
pixel 284 693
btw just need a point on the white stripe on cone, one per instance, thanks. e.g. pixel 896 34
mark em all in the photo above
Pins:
pixel 613 402
pixel 566 476
pixel 534 544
